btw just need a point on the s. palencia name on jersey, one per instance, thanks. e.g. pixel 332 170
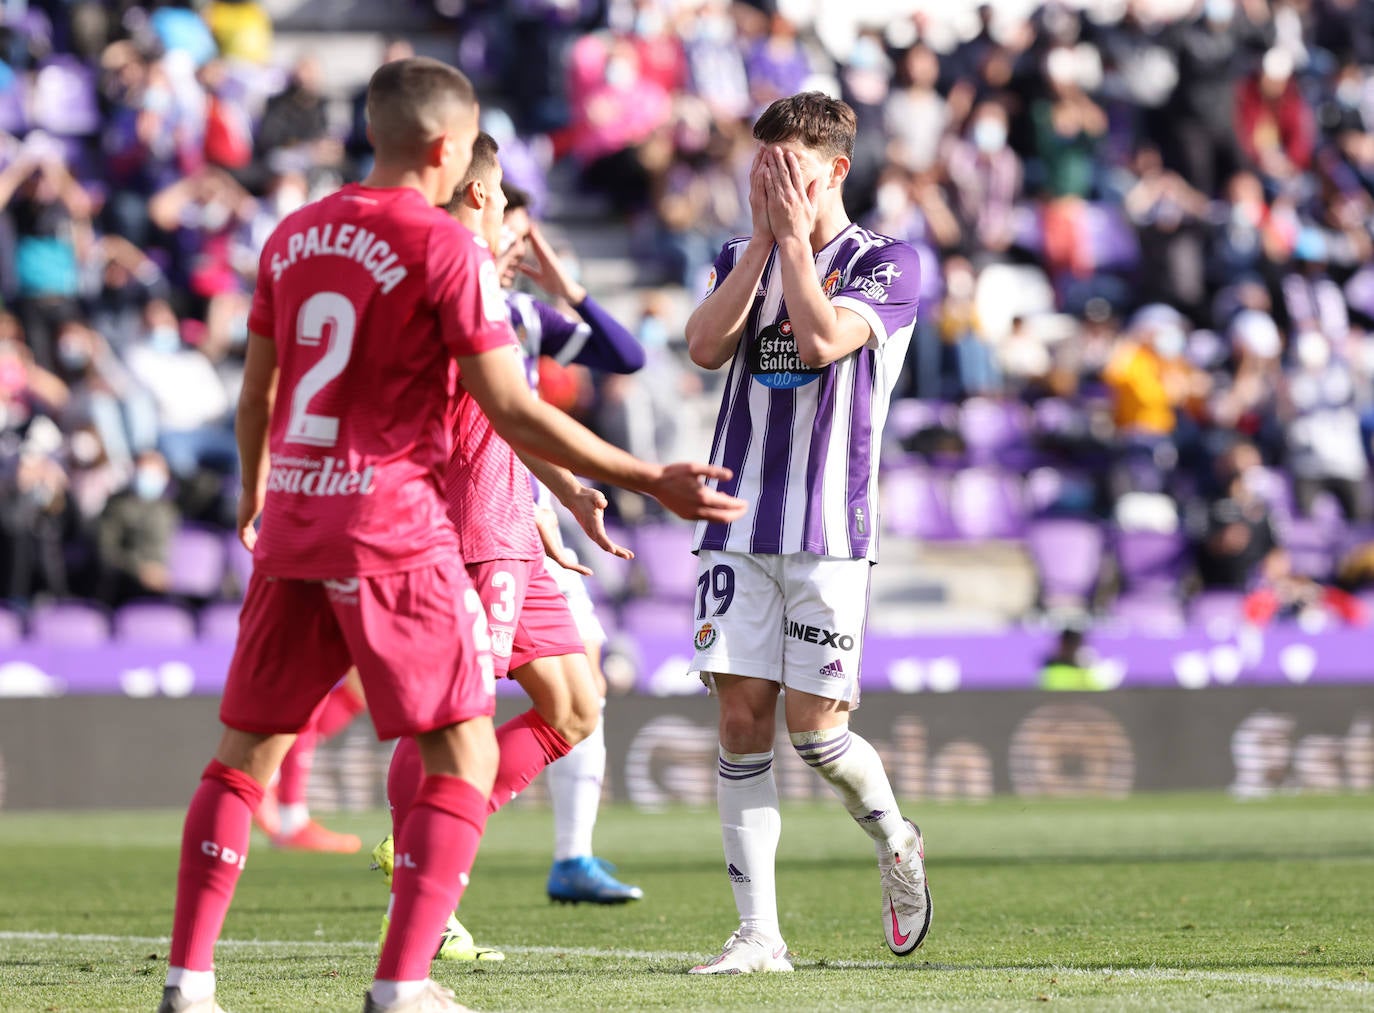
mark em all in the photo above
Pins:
pixel 775 361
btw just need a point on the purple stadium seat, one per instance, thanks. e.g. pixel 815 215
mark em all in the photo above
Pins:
pixel 197 562
pixel 1068 556
pixel 663 554
pixel 992 428
pixel 69 623
pixel 1054 415
pixel 1276 489
pixel 1312 544
pixel 1044 486
pixel 1112 238
pixel 656 616
pixel 1326 509
pixel 908 416
pixel 11 627
pixel 1217 611
pixel 219 622
pixel 1151 613
pixel 986 503
pixel 154 622
pixel 1151 560
pixel 916 504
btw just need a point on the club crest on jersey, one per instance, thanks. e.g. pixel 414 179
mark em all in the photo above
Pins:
pixel 831 283
pixel 774 360
pixel 502 640
pixel 707 635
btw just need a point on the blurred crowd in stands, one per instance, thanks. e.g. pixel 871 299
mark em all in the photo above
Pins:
pixel 1146 239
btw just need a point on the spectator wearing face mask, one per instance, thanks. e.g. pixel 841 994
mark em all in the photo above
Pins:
pixel 134 534
pixel 986 175
pixel 1246 398
pixel 36 517
pixel 1325 446
pixel 915 114
pixel 1274 124
pixel 1233 533
pixel 192 403
pixel 1150 381
pixel 104 395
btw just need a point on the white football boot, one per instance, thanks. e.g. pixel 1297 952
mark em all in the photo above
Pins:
pixel 747 953
pixel 434 999
pixel 906 896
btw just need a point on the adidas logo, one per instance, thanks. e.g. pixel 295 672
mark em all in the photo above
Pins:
pixel 735 875
pixel 872 817
pixel 834 670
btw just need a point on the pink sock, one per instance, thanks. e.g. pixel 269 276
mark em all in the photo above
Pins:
pixel 296 766
pixel 214 847
pixel 528 744
pixel 434 854
pixel 337 712
pixel 403 780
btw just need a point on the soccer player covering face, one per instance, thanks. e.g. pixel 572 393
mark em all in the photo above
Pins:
pixel 362 299
pixel 813 316
pixel 534 636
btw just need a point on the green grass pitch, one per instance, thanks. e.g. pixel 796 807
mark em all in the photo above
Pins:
pixel 1163 902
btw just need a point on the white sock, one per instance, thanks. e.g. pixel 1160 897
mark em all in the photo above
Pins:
pixel 750 826
pixel 194 985
pixel 293 817
pixel 391 993
pixel 575 789
pixel 851 766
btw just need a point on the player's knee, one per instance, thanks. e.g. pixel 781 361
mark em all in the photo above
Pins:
pixel 744 731
pixel 581 720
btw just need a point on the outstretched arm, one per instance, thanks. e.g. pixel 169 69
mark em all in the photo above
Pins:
pixel 587 505
pixel 495 380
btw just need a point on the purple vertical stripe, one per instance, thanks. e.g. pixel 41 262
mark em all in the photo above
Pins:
pixel 723 416
pixel 777 460
pixel 813 532
pixel 734 443
pixel 861 451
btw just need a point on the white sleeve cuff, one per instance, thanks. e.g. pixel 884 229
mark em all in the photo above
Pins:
pixel 875 325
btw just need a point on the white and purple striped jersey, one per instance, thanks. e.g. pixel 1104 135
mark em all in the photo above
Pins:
pixel 803 443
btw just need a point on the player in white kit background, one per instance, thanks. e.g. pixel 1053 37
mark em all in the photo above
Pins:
pixel 813 315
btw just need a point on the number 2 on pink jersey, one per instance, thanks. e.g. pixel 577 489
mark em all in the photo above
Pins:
pixel 322 310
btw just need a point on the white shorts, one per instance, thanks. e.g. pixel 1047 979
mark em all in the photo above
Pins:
pixel 574 588
pixel 796 619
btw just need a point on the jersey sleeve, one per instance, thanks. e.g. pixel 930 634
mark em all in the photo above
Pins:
pixel 884 288
pixel 559 337
pixel 725 262
pixel 261 315
pixel 463 289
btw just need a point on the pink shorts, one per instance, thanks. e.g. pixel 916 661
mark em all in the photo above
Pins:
pixel 419 640
pixel 528 616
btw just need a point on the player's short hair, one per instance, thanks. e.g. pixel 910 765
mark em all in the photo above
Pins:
pixel 813 118
pixel 484 160
pixel 516 197
pixel 410 102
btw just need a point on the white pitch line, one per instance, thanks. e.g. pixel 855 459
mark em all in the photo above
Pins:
pixel 1144 973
